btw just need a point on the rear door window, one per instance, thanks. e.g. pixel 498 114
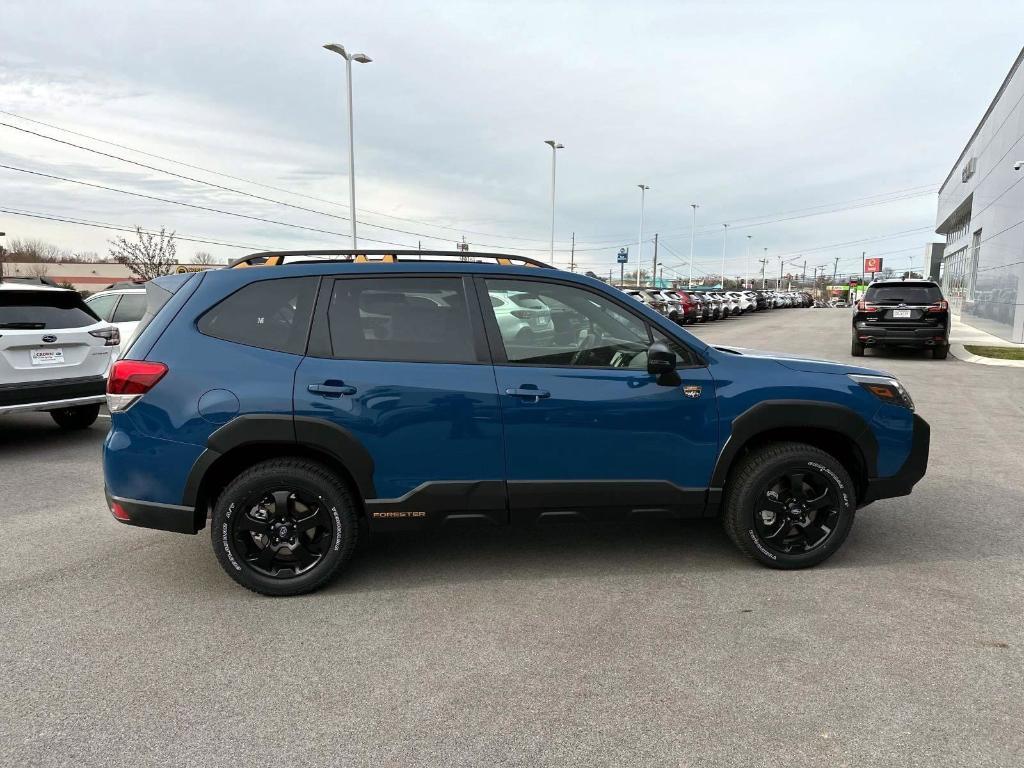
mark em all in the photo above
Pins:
pixel 131 308
pixel 36 310
pixel 408 319
pixel 270 314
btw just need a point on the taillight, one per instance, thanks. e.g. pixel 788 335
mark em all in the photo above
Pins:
pixel 863 306
pixel 522 314
pixel 129 380
pixel 939 306
pixel 111 336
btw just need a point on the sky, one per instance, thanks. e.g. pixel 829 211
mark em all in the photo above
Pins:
pixel 816 130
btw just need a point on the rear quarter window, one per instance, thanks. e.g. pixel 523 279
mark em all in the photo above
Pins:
pixel 36 310
pixel 269 314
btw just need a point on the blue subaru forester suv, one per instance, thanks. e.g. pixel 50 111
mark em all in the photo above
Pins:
pixel 302 400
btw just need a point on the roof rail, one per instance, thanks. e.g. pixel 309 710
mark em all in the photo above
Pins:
pixel 279 258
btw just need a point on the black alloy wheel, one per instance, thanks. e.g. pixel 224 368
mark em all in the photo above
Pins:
pixel 789 505
pixel 286 533
pixel 796 512
pixel 285 526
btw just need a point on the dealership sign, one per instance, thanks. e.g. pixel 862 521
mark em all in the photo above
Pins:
pixel 873 265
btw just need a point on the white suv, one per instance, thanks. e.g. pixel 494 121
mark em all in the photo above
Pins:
pixel 124 307
pixel 55 353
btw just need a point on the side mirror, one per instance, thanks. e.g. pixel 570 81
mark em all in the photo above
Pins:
pixel 660 359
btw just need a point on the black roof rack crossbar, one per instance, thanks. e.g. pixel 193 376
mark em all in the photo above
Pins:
pixel 277 258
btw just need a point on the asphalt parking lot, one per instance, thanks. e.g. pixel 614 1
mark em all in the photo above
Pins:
pixel 650 644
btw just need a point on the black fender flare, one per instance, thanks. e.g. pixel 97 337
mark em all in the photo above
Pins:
pixel 789 414
pixel 263 428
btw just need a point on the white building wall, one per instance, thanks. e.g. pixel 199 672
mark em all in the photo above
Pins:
pixel 983 270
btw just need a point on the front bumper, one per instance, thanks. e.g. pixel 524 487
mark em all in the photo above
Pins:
pixel 913 469
pixel 49 395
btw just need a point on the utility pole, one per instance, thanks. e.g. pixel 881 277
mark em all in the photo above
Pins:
pixel 763 263
pixel 2 252
pixel 803 274
pixel 654 266
pixel 835 271
pixel 572 254
pixel 778 284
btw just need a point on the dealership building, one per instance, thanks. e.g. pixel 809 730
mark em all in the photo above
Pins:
pixel 981 215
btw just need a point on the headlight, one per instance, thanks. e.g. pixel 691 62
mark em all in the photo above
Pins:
pixel 886 388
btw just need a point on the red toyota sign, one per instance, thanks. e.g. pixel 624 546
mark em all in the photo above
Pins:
pixel 873 265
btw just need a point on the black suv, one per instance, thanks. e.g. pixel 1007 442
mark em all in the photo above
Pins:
pixel 904 313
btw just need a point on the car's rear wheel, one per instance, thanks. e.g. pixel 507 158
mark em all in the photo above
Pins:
pixel 939 353
pixel 789 505
pixel 284 526
pixel 79 417
pixel 856 348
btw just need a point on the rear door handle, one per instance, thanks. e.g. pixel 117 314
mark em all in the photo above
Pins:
pixel 331 389
pixel 536 394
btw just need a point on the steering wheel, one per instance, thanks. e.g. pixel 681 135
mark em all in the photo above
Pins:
pixel 587 343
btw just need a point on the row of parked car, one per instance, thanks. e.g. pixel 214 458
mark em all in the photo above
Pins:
pixel 698 306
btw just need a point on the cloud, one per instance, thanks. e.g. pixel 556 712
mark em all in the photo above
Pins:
pixel 748 109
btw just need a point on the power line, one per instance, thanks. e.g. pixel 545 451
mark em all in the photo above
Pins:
pixel 192 205
pixel 122 228
pixel 238 178
pixel 756 221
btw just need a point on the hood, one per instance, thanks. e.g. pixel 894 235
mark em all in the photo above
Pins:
pixel 806 364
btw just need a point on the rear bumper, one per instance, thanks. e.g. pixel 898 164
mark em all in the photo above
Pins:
pixel 925 336
pixel 149 514
pixel 913 469
pixel 49 395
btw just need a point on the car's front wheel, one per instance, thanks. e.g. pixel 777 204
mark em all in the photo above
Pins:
pixel 79 417
pixel 284 526
pixel 789 505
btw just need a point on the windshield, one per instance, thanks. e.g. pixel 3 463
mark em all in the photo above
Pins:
pixel 904 293
pixel 36 310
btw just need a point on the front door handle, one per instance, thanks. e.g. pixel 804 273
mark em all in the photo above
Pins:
pixel 536 394
pixel 331 389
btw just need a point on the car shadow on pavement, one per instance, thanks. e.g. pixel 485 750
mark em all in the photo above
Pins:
pixel 21 433
pixel 463 553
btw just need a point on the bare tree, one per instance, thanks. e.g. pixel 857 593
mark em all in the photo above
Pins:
pixel 204 258
pixel 151 256
pixel 38 269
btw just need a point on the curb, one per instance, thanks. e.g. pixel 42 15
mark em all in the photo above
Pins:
pixel 960 353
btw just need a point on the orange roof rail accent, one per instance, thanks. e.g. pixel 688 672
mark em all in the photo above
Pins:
pixel 281 258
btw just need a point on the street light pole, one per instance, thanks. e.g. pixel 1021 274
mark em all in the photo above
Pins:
pixel 362 58
pixel 746 265
pixel 764 262
pixel 725 232
pixel 693 227
pixel 555 146
pixel 640 239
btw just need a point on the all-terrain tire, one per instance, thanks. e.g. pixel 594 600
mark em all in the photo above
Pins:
pixel 856 348
pixel 286 474
pixel 755 471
